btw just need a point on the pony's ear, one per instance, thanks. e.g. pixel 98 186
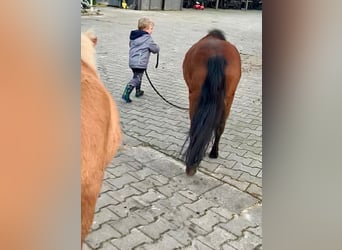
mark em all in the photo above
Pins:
pixel 91 37
pixel 94 40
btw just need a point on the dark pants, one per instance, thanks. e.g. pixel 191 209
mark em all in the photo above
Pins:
pixel 137 77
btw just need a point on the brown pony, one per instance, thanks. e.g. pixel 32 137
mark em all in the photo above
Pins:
pixel 212 71
pixel 100 131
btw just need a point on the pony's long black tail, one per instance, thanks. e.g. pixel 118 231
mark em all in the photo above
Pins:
pixel 209 112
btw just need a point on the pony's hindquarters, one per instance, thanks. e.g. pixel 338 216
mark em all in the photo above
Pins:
pixel 212 70
pixel 207 113
pixel 100 139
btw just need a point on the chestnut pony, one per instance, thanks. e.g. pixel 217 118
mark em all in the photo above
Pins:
pixel 100 131
pixel 212 71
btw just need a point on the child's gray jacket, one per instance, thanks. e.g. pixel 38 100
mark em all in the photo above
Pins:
pixel 141 45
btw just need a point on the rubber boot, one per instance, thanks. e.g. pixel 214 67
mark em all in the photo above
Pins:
pixel 138 92
pixel 128 90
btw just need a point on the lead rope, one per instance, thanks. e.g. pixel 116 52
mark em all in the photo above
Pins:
pixel 149 80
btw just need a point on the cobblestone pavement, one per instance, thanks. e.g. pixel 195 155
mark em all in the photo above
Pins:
pixel 147 201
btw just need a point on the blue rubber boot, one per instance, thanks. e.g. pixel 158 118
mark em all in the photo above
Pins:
pixel 139 92
pixel 128 90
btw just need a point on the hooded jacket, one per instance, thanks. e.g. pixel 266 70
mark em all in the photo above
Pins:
pixel 140 47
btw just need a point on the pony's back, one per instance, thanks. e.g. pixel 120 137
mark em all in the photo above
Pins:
pixel 100 131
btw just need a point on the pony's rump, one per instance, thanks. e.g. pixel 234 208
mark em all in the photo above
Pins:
pixel 212 71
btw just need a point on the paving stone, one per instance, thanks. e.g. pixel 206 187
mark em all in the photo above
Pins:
pixel 130 140
pixel 216 238
pixel 107 175
pixel 149 197
pixel 166 242
pixel 179 215
pixel 214 175
pixel 104 215
pixel 143 173
pixel 256 230
pixel 146 184
pixel 124 209
pixel 108 246
pixel 131 240
pixel 167 168
pixel 258 144
pixel 251 142
pixel 225 213
pixel 228 149
pixel 260 174
pixel 251 155
pixel 225 194
pixel 123 180
pixel 255 191
pixel 253 214
pixel 257 132
pixel 211 166
pixel 126 224
pixel 140 132
pixel 154 128
pixel 227 163
pixel 235 174
pixel 150 214
pixel 172 203
pixel 121 194
pixel 251 170
pixel 256 164
pixel 256 148
pixel 188 194
pixel 166 190
pixel 198 245
pixel 181 235
pixel 199 183
pixel 160 178
pixel 157 143
pixel 104 200
pixel 174 150
pixel 249 242
pixel 157 228
pixel 145 154
pixel 201 206
pixel 120 170
pixel 106 186
pixel 251 179
pixel 244 160
pixel 237 184
pixel 226 246
pixel 95 238
pixel 208 220
pixel 237 225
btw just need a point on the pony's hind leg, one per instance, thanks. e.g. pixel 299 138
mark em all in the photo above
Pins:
pixel 218 132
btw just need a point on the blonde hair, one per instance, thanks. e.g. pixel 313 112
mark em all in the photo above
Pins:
pixel 144 23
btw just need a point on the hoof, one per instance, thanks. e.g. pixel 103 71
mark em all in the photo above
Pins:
pixel 213 154
pixel 191 171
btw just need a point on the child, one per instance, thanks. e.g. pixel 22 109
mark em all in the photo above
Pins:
pixel 141 45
